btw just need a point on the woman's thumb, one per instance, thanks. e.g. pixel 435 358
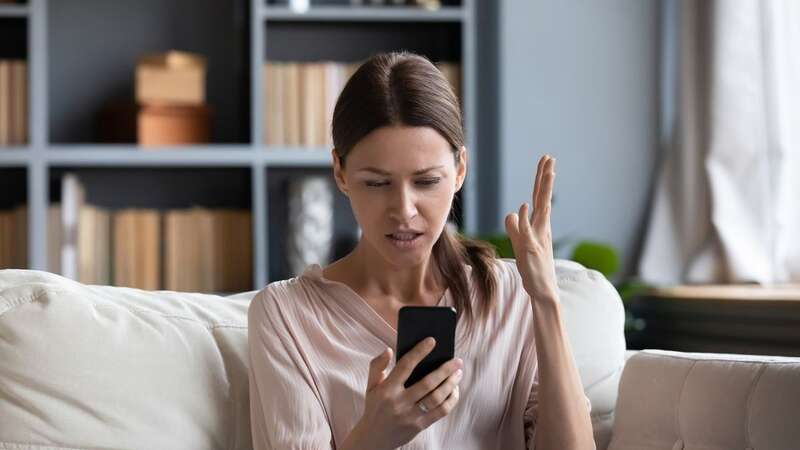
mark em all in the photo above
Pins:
pixel 377 368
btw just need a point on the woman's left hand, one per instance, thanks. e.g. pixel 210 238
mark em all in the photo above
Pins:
pixel 531 237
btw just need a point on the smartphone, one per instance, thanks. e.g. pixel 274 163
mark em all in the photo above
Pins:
pixel 414 324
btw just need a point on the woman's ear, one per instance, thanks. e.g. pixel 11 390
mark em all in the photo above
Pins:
pixel 461 167
pixel 338 172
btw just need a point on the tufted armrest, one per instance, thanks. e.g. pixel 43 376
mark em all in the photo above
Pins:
pixel 673 400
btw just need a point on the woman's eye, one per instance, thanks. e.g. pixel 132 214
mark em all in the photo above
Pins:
pixel 376 183
pixel 428 181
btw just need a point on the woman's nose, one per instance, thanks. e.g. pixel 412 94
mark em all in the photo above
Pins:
pixel 403 207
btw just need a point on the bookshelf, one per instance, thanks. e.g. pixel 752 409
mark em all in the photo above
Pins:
pixel 80 54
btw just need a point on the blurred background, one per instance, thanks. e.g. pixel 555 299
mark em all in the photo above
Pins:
pixel 185 144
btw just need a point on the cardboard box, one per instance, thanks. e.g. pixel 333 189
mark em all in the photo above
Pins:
pixel 162 125
pixel 171 78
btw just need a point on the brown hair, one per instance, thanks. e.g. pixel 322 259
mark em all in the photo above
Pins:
pixel 403 88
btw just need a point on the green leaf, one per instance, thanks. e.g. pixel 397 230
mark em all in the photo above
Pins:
pixel 501 242
pixel 598 256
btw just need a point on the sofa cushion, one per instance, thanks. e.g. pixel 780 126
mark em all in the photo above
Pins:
pixel 106 367
pixel 703 401
pixel 595 319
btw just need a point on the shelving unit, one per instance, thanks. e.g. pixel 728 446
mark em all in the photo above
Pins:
pixel 72 71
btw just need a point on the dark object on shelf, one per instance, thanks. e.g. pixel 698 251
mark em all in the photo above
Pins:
pixel 116 123
pixel 719 319
pixel 173 125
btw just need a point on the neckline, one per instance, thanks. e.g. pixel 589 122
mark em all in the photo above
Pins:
pixel 362 311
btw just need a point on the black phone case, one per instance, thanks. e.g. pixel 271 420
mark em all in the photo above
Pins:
pixel 416 323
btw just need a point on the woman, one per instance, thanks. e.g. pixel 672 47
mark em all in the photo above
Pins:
pixel 322 344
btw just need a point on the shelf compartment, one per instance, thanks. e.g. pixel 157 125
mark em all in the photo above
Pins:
pixel 157 228
pixel 93 47
pixel 13 218
pixel 315 41
pixel 345 228
pixel 160 188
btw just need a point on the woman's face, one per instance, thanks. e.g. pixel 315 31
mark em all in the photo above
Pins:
pixel 401 182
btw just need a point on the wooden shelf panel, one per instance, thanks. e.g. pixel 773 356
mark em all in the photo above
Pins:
pixel 732 292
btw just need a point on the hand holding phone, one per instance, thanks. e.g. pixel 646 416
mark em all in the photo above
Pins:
pixel 396 410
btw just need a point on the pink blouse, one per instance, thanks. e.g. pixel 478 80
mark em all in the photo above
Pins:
pixel 311 341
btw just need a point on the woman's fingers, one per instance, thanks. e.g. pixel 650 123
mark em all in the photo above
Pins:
pixel 409 361
pixel 377 368
pixel 542 212
pixel 437 396
pixel 537 182
pixel 512 225
pixel 442 410
pixel 430 382
pixel 524 219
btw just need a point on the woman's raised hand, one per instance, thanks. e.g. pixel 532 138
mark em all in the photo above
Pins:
pixel 393 414
pixel 531 237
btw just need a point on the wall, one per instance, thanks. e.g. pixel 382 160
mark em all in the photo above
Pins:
pixel 579 80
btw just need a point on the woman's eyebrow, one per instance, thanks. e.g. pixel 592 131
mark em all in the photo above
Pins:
pixel 383 172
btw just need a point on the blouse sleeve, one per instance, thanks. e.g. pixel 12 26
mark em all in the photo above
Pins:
pixel 285 411
pixel 531 414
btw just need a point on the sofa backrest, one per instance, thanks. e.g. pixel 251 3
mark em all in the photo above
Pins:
pixel 595 320
pixel 685 401
pixel 106 367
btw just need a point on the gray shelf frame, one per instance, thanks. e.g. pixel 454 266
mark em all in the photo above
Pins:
pixel 364 14
pixel 39 156
pixel 14 10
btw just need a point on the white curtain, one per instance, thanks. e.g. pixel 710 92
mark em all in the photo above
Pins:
pixel 727 200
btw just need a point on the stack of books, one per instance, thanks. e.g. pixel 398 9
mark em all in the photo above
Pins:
pixel 194 250
pixel 299 99
pixel 13 102
pixel 14 238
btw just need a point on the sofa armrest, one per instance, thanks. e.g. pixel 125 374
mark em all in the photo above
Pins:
pixel 705 400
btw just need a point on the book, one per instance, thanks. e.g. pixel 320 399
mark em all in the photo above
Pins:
pixel 274 128
pixel 207 250
pixel 5 103
pixel 13 238
pixel 54 238
pixel 334 82
pixel 291 104
pixel 313 105
pixel 137 248
pixel 94 258
pixel 20 107
pixel 20 236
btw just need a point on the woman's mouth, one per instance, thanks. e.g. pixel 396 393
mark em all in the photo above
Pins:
pixel 405 240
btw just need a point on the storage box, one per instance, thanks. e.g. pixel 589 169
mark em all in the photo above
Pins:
pixel 162 125
pixel 175 78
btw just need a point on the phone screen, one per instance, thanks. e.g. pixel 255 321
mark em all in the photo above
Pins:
pixel 416 323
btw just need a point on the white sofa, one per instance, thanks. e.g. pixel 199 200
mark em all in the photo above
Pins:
pixel 104 367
